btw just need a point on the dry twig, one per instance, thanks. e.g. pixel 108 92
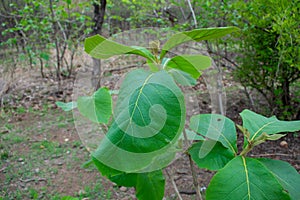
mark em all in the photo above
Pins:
pixel 4 168
pixel 195 182
pixel 174 185
pixel 33 179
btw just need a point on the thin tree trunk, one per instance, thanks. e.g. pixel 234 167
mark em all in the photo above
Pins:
pixel 96 74
pixel 55 30
pixel 193 13
pixel 99 12
pixel 42 67
pixel 286 99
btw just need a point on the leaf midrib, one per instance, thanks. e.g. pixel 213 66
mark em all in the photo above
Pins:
pixel 139 95
pixel 247 178
pixel 261 128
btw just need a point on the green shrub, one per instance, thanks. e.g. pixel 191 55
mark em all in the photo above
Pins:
pixel 269 50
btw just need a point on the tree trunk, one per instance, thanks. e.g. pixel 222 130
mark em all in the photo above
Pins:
pixel 286 99
pixel 286 109
pixel 99 12
pixel 96 74
pixel 56 42
pixel 42 68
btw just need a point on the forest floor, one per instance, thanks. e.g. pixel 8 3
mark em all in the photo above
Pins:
pixel 42 156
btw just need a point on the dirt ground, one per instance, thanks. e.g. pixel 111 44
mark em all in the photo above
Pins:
pixel 42 154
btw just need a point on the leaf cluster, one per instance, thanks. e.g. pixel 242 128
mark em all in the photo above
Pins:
pixel 239 176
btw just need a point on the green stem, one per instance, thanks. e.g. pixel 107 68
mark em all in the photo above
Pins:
pixel 246 150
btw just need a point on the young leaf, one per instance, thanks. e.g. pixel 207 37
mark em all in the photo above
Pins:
pixel 275 136
pixel 66 106
pixel 245 178
pixel 257 124
pixel 216 159
pixel 149 118
pixel 195 35
pixel 244 131
pixel 98 107
pixel 102 48
pixel 286 175
pixel 150 186
pixel 264 137
pixel 191 64
pixel 216 127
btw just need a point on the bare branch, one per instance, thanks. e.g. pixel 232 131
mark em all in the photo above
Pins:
pixel 33 179
pixel 174 185
pixel 195 182
pixel 193 13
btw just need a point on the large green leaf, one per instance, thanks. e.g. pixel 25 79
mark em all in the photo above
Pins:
pixel 191 64
pixel 245 178
pixel 257 124
pixel 149 118
pixel 105 170
pixel 287 176
pixel 216 127
pixel 150 186
pixel 195 35
pixel 98 107
pixel 125 179
pixel 216 159
pixel 102 48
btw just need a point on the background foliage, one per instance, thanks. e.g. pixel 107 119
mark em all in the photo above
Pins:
pixel 265 56
pixel 42 33
pixel 269 51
